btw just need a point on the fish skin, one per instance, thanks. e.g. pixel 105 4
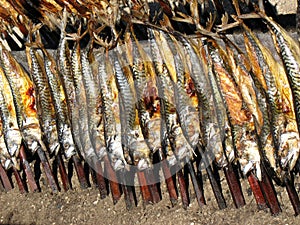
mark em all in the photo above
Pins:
pixel 24 101
pixel 211 137
pixel 185 105
pixel 93 98
pixel 179 144
pixel 240 118
pixel 152 126
pixel 222 111
pixel 44 101
pixel 289 51
pixel 110 110
pixel 265 80
pixel 10 132
pixel 134 139
pixel 60 106
pixel 86 143
pixel 66 75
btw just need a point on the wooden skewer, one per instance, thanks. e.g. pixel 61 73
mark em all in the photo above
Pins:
pixel 80 172
pixel 48 172
pixel 100 181
pixel 146 194
pixel 22 187
pixel 182 187
pixel 28 171
pixel 234 186
pixel 293 195
pixel 63 173
pixel 257 192
pixel 113 180
pixel 168 178
pixel 5 180
pixel 152 185
pixel 270 194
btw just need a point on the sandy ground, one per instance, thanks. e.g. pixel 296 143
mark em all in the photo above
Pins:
pixel 85 207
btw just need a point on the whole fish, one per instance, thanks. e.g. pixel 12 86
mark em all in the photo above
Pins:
pixel 146 95
pixel 211 137
pixel 260 58
pixel 290 54
pixel 179 144
pixel 24 100
pixel 240 118
pixel 60 105
pixel 186 105
pixel 133 137
pixel 85 139
pixel 44 101
pixel 66 76
pixel 10 132
pixel 222 115
pixel 93 98
pixel 111 113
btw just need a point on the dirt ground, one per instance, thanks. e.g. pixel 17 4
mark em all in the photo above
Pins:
pixel 85 207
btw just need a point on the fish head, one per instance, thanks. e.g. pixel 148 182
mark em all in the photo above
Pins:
pixel 67 142
pixel 14 144
pixel 289 146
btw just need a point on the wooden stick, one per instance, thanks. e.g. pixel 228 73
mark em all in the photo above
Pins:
pixel 152 185
pixel 100 179
pixel 257 192
pixel 63 173
pixel 5 180
pixel 48 172
pixel 197 187
pixel 293 195
pixel 113 180
pixel 213 181
pixel 234 186
pixel 22 187
pixel 182 187
pixel 146 194
pixel 28 171
pixel 127 189
pixel 168 178
pixel 80 172
pixel 270 194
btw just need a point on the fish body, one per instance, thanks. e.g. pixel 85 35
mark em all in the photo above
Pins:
pixel 179 144
pixel 24 100
pixel 86 143
pixel 44 100
pixel 290 54
pixel 111 113
pixel 10 132
pixel 60 105
pixel 93 98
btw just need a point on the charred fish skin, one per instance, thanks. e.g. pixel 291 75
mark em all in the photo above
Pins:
pixel 179 144
pixel 111 132
pixel 10 132
pixel 24 101
pixel 44 100
pixel 61 109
